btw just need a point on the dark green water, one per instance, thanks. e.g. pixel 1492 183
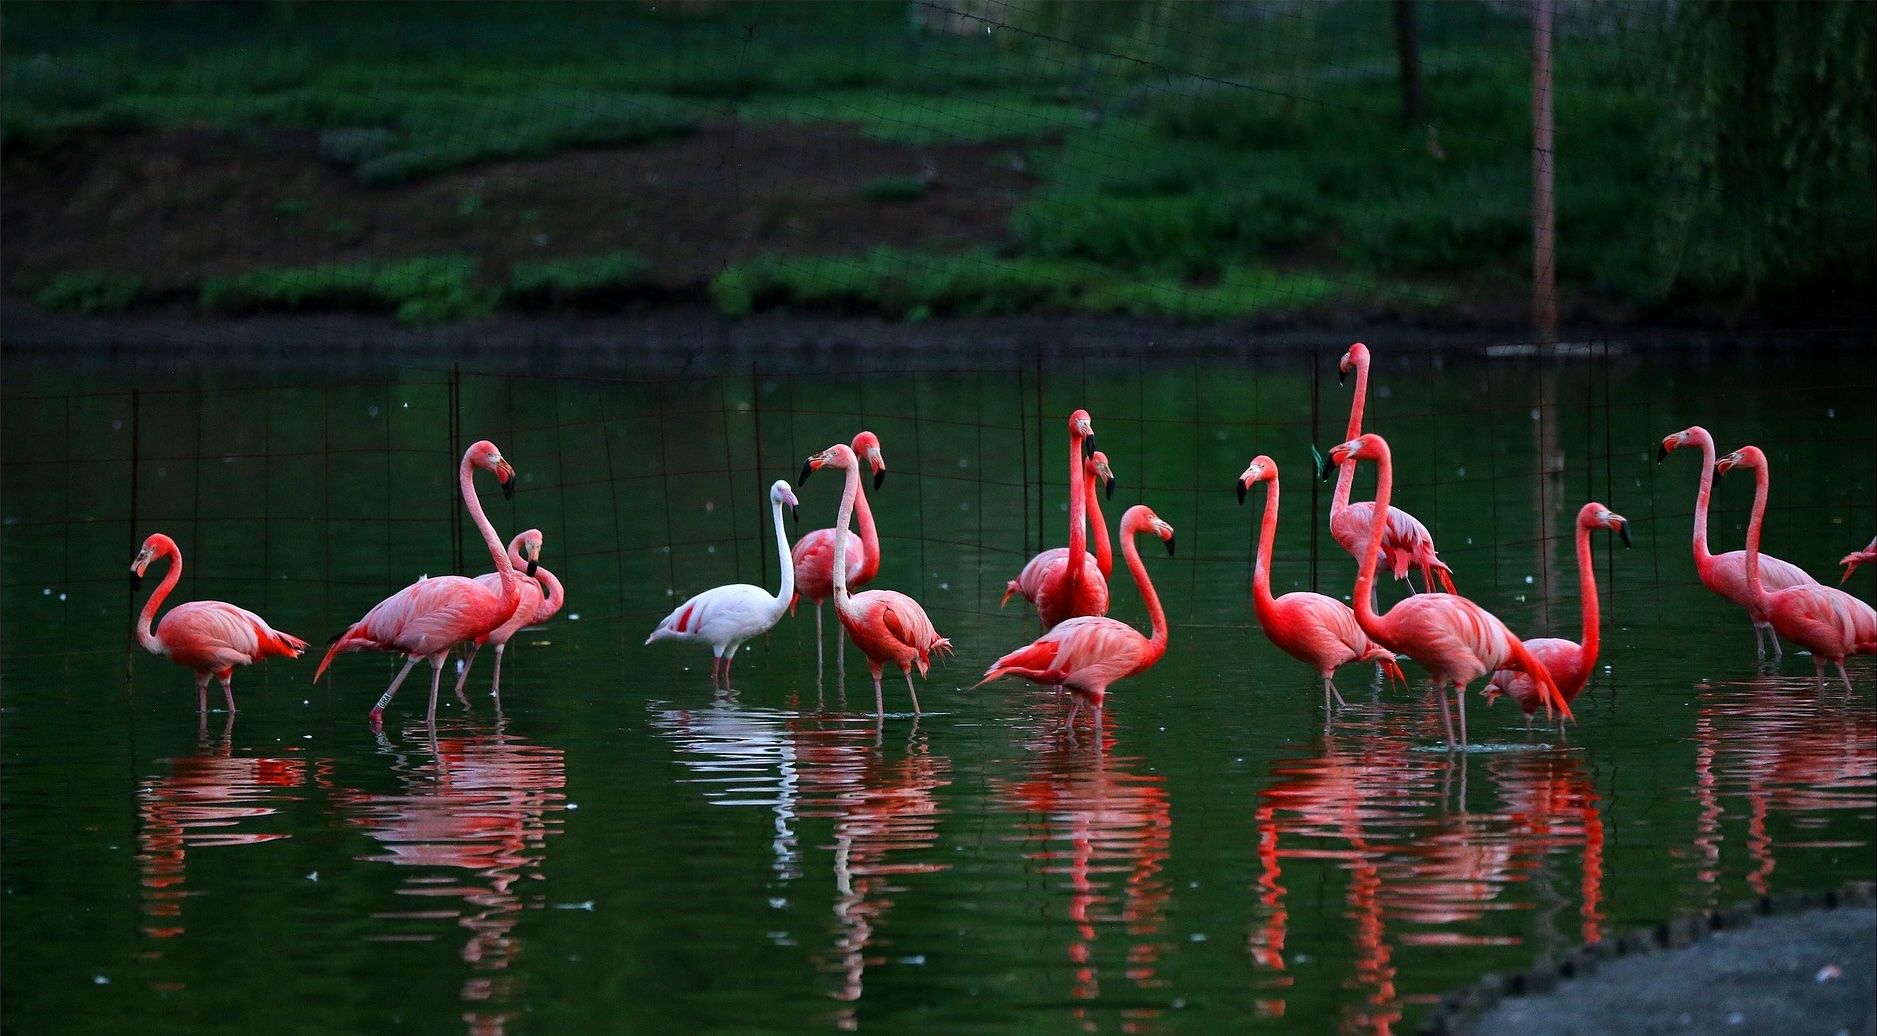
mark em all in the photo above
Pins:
pixel 616 849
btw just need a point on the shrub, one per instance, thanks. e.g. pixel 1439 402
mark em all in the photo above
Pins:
pixel 93 291
pixel 589 280
pixel 419 291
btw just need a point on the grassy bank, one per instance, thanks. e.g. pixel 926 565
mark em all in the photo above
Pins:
pixel 1198 160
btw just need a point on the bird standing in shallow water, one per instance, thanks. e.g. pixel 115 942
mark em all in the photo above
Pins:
pixel 726 616
pixel 814 553
pixel 1029 582
pixel 210 637
pixel 1569 662
pixel 1068 582
pixel 886 625
pixel 1314 629
pixel 1726 574
pixel 1405 541
pixel 1821 619
pixel 429 617
pixel 1088 652
pixel 1454 639
pixel 541 599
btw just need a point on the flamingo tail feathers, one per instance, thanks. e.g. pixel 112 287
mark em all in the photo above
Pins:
pixel 1393 669
pixel 340 644
pixel 1031 659
pixel 1547 686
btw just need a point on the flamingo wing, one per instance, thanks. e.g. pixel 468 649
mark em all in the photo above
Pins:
pixel 814 563
pixel 720 615
pixel 213 634
pixel 907 624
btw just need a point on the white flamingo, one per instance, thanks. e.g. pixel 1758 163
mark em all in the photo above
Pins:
pixel 726 616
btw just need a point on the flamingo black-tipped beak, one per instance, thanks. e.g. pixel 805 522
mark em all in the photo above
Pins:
pixel 136 580
pixel 1239 484
pixel 532 565
pixel 1342 376
pixel 1661 454
pixel 795 512
pixel 1088 446
pixel 879 478
pixel 508 488
pixel 1623 531
pixel 1323 463
pixel 1169 546
pixel 808 468
pixel 1110 487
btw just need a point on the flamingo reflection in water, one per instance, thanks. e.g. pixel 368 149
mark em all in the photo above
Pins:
pixel 210 799
pixel 1368 805
pixel 1803 757
pixel 881 798
pixel 472 822
pixel 1108 830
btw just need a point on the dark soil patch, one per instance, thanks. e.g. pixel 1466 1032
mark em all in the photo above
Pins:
pixel 180 206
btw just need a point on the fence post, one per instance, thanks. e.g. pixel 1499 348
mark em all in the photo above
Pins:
pixel 1544 206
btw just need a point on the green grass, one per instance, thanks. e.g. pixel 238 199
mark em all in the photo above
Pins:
pixel 418 291
pixel 917 285
pixel 587 281
pixel 94 291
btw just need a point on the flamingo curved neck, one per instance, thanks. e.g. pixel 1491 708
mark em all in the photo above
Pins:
pixel 145 637
pixel 1261 600
pixel 554 597
pixel 1157 644
pixel 1366 616
pixel 869 535
pixel 1754 585
pixel 843 601
pixel 1587 589
pixel 1346 476
pixel 1104 551
pixel 511 582
pixel 1702 493
pixel 787 561
pixel 1078 510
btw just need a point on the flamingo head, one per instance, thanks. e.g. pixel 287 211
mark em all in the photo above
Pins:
pixel 840 455
pixel 530 550
pixel 867 445
pixel 1098 465
pixel 1744 457
pixel 1262 469
pixel 1493 692
pixel 1082 427
pixel 484 455
pixel 153 545
pixel 1141 518
pixel 1691 434
pixel 1368 446
pixel 780 493
pixel 1356 356
pixel 1597 516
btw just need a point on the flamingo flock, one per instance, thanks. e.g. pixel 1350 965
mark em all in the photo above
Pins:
pixel 1080 650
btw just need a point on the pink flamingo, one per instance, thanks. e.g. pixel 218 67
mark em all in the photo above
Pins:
pixel 1404 539
pixel 429 617
pixel 1855 558
pixel 1316 630
pixel 209 637
pixel 1822 619
pixel 726 616
pixel 1454 639
pixel 886 625
pixel 1088 652
pixel 814 553
pixel 1029 582
pixel 1726 574
pixel 1569 663
pixel 1070 583
pixel 541 599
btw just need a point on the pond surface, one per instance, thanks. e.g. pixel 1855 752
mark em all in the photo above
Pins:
pixel 611 846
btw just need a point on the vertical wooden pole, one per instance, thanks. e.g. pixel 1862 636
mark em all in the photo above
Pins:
pixel 1544 208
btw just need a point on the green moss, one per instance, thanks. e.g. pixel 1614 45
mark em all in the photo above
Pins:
pixel 576 282
pixel 93 291
pixel 418 291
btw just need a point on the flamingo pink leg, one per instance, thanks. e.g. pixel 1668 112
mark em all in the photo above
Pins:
pixel 378 710
pixel 463 677
pixel 495 685
pixel 436 681
pixel 227 677
pixel 915 694
pixel 202 691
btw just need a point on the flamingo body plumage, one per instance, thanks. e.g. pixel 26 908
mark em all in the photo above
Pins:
pixel 887 626
pixel 1726 574
pixel 542 597
pixel 1451 637
pixel 1824 620
pixel 726 616
pixel 1405 541
pixel 1569 662
pixel 209 637
pixel 1087 653
pixel 814 552
pixel 1066 585
pixel 1031 583
pixel 429 617
pixel 1313 628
